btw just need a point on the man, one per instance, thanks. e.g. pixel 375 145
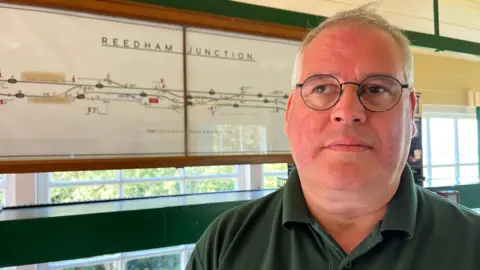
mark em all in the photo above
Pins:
pixel 351 202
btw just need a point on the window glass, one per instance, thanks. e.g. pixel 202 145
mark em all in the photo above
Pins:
pixel 468 174
pixel 275 167
pixel 2 179
pixel 209 185
pixel 443 176
pixel 209 170
pixel 252 138
pixel 74 186
pixel 77 176
pixel 230 138
pixel 2 197
pixel 467 141
pixel 442 141
pixel 103 266
pixel 426 174
pixel 150 173
pixel 425 149
pixel 162 262
pixel 151 189
pixel 272 181
pixel 83 193
pixel 274 175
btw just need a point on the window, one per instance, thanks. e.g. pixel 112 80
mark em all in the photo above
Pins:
pixel 61 187
pixel 172 258
pixel 241 138
pixel 274 175
pixel 450 146
pixel 3 180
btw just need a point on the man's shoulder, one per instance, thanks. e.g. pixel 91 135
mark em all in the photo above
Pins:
pixel 254 209
pixel 444 210
pixel 233 227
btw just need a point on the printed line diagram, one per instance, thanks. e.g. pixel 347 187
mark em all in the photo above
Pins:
pixel 58 89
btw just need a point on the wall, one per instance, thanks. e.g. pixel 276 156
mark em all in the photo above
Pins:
pixel 445 79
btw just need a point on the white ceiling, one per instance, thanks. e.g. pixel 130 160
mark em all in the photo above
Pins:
pixel 459 19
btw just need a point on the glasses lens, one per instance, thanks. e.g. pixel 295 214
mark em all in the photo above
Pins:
pixel 380 93
pixel 320 92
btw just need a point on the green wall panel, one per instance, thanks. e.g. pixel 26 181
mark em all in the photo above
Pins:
pixel 469 194
pixel 40 234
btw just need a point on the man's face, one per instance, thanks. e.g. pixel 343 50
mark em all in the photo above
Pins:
pixel 324 144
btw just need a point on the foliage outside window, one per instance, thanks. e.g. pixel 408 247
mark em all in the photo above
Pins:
pixel 274 175
pixel 172 258
pixel 111 184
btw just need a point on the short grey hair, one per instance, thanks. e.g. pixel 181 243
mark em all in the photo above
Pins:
pixel 365 14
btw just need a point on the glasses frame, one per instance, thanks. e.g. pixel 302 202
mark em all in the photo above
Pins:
pixel 300 85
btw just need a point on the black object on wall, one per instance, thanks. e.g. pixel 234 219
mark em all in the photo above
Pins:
pixel 415 155
pixel 290 168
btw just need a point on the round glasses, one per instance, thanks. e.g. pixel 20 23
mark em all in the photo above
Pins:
pixel 378 93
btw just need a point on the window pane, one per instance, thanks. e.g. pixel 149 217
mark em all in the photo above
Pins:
pixel 83 176
pixel 2 179
pixel 151 189
pixel 230 139
pixel 240 138
pixel 467 140
pixel 271 181
pixel 443 176
pixel 209 170
pixel 425 173
pixel 103 266
pixel 209 185
pixel 424 134
pixel 275 167
pixel 2 197
pixel 442 140
pixel 468 174
pixel 252 138
pixel 83 193
pixel 150 173
pixel 164 262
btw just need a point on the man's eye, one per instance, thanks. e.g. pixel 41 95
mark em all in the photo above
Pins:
pixel 374 89
pixel 325 88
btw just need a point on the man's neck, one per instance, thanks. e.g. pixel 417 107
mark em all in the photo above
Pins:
pixel 348 218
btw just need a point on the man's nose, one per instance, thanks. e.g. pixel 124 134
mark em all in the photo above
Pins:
pixel 348 109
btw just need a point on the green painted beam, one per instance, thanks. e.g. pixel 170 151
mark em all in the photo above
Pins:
pixel 436 18
pixel 284 17
pixel 32 235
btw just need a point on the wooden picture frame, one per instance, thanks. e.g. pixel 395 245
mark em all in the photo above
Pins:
pixel 156 14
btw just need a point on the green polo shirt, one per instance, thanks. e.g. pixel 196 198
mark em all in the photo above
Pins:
pixel 420 230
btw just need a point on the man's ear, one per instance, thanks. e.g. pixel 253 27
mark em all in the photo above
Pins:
pixel 291 97
pixel 413 107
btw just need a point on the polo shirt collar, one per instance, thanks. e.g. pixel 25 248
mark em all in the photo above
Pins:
pixel 401 214
pixel 294 206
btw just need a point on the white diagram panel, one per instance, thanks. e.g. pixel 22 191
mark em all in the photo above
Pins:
pixel 238 90
pixel 89 86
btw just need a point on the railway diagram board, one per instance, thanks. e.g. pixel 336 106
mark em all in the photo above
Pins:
pixel 244 84
pixel 78 85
